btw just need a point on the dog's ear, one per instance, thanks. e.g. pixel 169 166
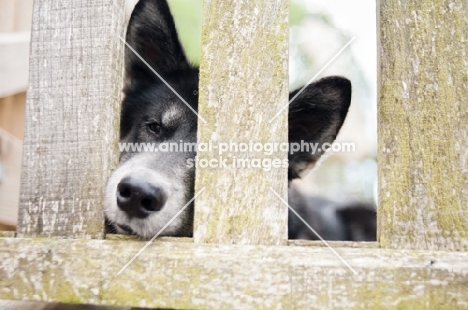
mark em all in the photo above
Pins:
pixel 315 116
pixel 152 34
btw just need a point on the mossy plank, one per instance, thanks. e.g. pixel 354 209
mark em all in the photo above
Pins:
pixel 423 137
pixel 187 275
pixel 243 84
pixel 72 115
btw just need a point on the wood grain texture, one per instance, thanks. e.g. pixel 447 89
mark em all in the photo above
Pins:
pixel 72 114
pixel 208 276
pixel 423 117
pixel 243 84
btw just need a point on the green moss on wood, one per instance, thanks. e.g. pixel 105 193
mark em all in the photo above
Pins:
pixel 199 276
pixel 423 140
pixel 243 78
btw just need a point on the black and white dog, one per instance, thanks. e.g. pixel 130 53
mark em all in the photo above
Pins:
pixel 149 188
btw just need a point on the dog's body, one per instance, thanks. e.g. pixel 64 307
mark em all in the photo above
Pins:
pixel 150 188
pixel 351 221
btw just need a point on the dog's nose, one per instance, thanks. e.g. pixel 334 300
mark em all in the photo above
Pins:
pixel 139 198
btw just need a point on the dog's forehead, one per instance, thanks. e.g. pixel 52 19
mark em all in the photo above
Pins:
pixel 170 113
pixel 173 113
pixel 166 103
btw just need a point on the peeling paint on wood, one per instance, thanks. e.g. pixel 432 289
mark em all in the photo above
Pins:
pixel 423 117
pixel 73 108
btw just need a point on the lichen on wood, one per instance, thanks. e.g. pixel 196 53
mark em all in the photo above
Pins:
pixel 185 275
pixel 243 84
pixel 423 137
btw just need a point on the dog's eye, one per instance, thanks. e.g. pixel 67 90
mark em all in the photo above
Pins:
pixel 154 128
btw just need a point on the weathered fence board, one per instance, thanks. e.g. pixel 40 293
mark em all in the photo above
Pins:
pixel 423 167
pixel 423 117
pixel 72 116
pixel 207 276
pixel 243 84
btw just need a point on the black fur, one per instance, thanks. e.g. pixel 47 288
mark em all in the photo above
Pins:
pixel 351 221
pixel 316 115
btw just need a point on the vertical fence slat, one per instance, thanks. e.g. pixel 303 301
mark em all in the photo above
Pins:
pixel 71 117
pixel 243 84
pixel 423 117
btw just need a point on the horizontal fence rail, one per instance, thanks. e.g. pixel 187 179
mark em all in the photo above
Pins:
pixel 200 276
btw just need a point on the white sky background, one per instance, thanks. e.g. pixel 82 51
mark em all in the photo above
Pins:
pixel 319 41
pixel 327 26
pixel 358 18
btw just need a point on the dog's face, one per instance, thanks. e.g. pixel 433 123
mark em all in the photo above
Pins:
pixel 149 188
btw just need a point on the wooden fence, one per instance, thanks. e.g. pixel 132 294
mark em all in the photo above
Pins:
pixel 60 252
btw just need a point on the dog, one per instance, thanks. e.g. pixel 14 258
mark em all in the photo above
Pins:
pixel 339 221
pixel 149 188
